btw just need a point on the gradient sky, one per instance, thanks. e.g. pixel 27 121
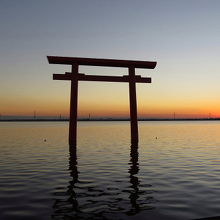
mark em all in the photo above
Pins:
pixel 183 36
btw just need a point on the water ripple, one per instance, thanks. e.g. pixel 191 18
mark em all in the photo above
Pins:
pixel 175 176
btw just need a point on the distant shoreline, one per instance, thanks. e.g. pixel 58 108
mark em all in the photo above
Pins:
pixel 110 119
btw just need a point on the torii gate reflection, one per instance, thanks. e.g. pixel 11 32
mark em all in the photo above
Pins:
pixel 75 76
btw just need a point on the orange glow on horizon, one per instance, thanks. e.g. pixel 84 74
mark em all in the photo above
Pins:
pixel 110 110
pixel 108 106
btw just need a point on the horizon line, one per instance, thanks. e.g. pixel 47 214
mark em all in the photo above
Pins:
pixel 108 119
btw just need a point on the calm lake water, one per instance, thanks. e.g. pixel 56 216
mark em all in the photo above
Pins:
pixel 173 174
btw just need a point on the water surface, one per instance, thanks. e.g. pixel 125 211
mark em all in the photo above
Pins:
pixel 173 174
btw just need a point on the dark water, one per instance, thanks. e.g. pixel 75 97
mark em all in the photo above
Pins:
pixel 174 173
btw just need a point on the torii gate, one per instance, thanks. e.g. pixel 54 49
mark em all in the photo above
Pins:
pixel 75 76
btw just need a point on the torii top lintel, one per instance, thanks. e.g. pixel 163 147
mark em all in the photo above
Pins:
pixel 101 62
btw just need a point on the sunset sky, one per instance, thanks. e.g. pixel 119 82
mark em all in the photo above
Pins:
pixel 183 36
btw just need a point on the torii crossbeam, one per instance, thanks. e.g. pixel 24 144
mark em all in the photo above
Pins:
pixel 74 76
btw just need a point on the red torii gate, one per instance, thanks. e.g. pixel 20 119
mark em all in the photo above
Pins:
pixel 75 76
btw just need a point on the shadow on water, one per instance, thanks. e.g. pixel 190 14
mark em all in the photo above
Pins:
pixel 74 174
pixel 66 203
pixel 133 170
pixel 135 193
pixel 70 203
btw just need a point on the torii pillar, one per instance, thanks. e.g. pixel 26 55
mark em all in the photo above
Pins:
pixel 74 76
pixel 73 107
